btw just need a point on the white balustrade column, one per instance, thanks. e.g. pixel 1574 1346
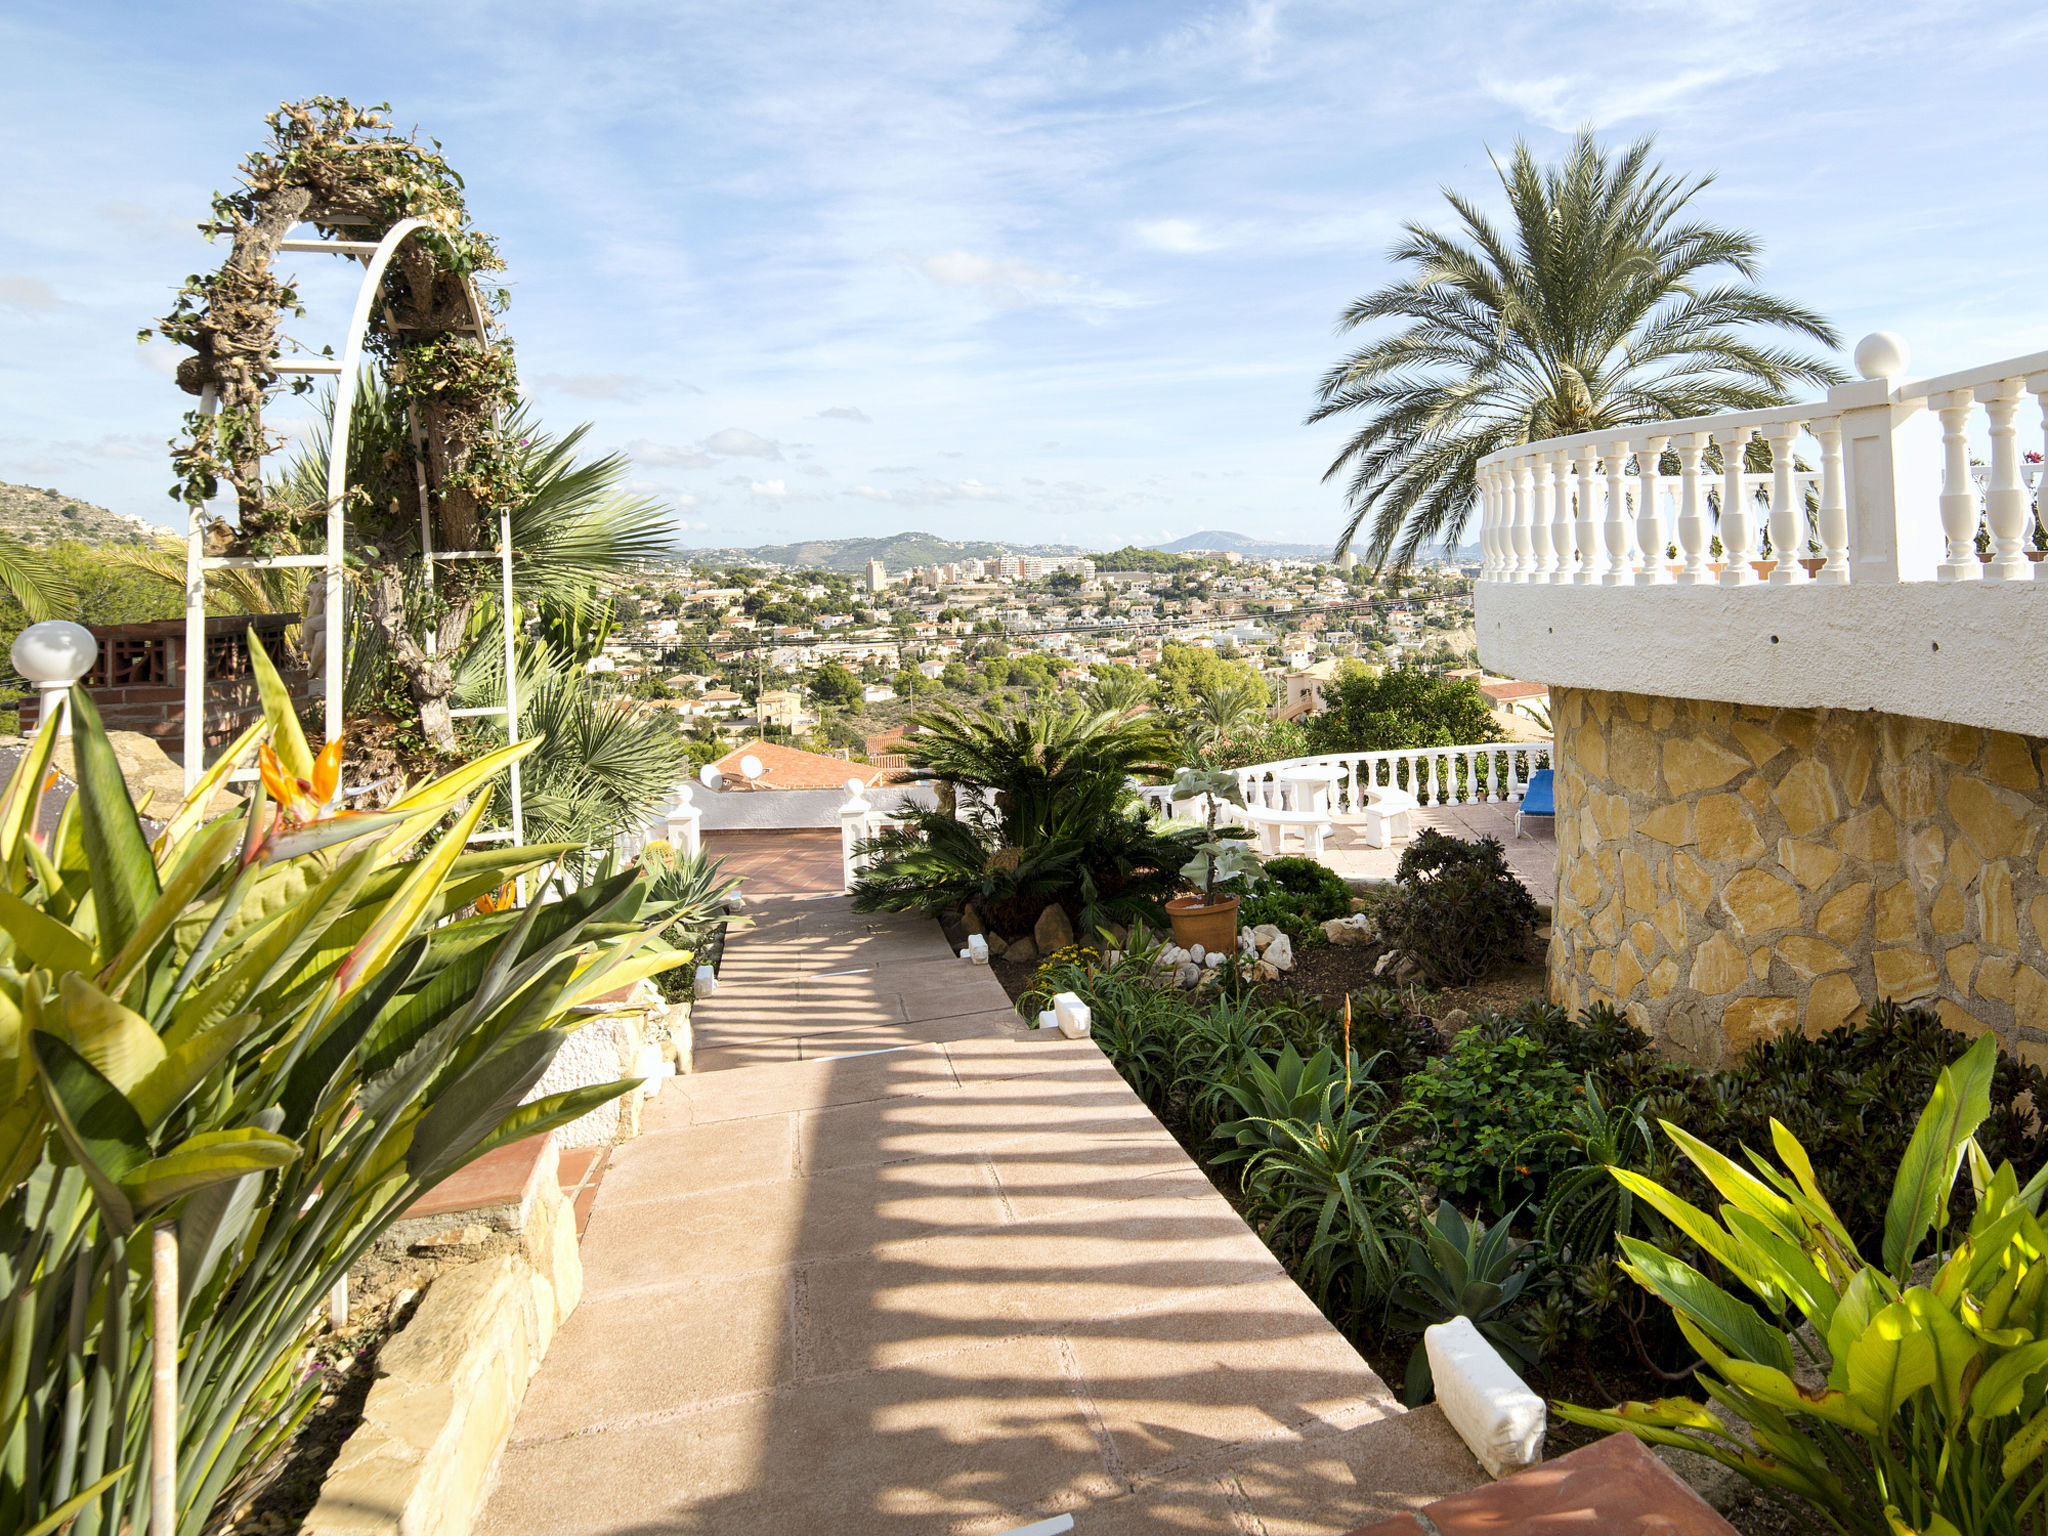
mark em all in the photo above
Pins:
pixel 1692 512
pixel 1541 527
pixel 684 823
pixel 1958 490
pixel 1651 537
pixel 1525 559
pixel 1490 523
pixel 1564 531
pixel 853 829
pixel 2005 498
pixel 1787 505
pixel 2037 386
pixel 1738 525
pixel 1616 572
pixel 1592 547
pixel 1834 504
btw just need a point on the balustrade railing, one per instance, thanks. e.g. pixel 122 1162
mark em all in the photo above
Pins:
pixel 1852 488
pixel 1496 772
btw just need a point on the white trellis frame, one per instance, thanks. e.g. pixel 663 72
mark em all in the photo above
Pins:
pixel 376 257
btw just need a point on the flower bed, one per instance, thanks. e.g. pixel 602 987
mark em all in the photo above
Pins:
pixel 1405 1175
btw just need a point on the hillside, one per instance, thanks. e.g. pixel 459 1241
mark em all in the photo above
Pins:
pixel 40 516
pixel 896 551
pixel 1252 549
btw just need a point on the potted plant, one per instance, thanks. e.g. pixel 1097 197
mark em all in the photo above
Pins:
pixel 1205 918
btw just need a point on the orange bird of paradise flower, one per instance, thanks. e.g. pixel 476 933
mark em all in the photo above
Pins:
pixel 298 800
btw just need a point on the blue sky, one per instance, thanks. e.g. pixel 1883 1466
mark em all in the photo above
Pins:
pixel 990 268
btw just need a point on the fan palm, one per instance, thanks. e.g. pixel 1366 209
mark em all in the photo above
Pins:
pixel 1601 304
pixel 571 527
pixel 1223 711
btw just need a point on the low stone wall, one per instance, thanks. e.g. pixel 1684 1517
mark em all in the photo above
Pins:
pixel 448 1386
pixel 1730 872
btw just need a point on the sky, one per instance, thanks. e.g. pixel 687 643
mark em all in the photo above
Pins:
pixel 993 269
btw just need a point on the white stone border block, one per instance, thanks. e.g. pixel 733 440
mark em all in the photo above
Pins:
pixel 1490 1407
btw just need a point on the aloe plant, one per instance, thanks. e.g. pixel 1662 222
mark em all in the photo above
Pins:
pixel 275 1028
pixel 1933 1414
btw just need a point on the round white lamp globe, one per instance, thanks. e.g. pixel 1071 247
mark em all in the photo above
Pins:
pixel 1882 355
pixel 53 655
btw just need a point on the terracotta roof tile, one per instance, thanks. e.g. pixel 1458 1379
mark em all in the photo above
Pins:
pixel 787 768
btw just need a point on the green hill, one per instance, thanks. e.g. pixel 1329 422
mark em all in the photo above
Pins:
pixel 41 516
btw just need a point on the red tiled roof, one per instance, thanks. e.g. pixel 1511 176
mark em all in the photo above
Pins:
pixel 787 768
pixel 1503 692
pixel 891 740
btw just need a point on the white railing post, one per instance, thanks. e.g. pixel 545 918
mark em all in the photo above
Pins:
pixel 853 829
pixel 1592 550
pixel 1524 566
pixel 1540 526
pixel 1834 505
pixel 1738 534
pixel 1958 489
pixel 1563 533
pixel 1692 512
pixel 1890 462
pixel 1786 506
pixel 1489 523
pixel 1650 535
pixel 1616 572
pixel 685 822
pixel 2005 498
pixel 2037 385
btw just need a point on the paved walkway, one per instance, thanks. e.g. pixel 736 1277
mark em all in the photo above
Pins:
pixel 918 1270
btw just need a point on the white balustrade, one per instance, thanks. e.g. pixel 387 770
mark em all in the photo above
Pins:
pixel 1846 474
pixel 1467 775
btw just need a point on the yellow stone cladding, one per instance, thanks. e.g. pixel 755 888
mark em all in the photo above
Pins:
pixel 1728 872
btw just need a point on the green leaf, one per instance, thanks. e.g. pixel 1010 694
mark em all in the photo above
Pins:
pixel 116 1040
pixel 100 1128
pixel 187 1065
pixel 287 737
pixel 1958 1105
pixel 213 1221
pixel 60 1517
pixel 1734 1323
pixel 543 1115
pixel 1958 1356
pixel 2024 1448
pixel 1891 1360
pixel 213 846
pixel 2003 1385
pixel 476 1104
pixel 25 789
pixel 43 940
pixel 124 880
pixel 211 1157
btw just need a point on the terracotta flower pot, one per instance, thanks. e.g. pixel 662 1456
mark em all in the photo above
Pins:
pixel 1717 567
pixel 1213 926
pixel 1763 568
pixel 2036 555
pixel 1811 564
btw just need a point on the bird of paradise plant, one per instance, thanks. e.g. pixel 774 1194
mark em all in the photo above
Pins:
pixel 268 1027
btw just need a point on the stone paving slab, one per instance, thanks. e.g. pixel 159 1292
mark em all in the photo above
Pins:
pixel 947 1285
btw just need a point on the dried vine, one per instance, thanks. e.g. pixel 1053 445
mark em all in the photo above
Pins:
pixel 346 171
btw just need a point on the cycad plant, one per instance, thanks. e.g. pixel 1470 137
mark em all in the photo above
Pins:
pixel 273 1029
pixel 1931 1414
pixel 1602 303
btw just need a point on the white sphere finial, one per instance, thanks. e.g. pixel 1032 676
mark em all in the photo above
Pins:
pixel 854 787
pixel 55 651
pixel 1882 355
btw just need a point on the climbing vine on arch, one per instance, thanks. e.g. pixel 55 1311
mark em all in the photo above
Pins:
pixel 447 369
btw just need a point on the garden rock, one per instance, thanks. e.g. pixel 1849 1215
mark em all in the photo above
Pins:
pixel 1264 934
pixel 997 944
pixel 1280 953
pixel 1246 943
pixel 1197 954
pixel 1358 928
pixel 1264 971
pixel 1214 960
pixel 1456 1020
pixel 1052 931
pixel 1023 951
pixel 1187 975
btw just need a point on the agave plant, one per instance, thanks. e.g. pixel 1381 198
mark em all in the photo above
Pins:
pixel 272 1030
pixel 1465 1269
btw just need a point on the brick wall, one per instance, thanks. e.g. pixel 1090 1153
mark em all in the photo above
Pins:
pixel 1728 872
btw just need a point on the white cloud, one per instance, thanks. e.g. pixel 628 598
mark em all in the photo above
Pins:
pixel 740 443
pixel 1183 237
pixel 667 456
pixel 844 413
pixel 931 494
pixel 623 387
pixel 771 488
pixel 1005 282
pixel 819 470
pixel 1563 103
pixel 28 293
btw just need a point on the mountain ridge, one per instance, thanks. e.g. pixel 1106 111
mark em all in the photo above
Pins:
pixel 42 515
pixel 896 551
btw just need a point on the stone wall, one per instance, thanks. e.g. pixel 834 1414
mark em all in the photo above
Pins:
pixel 1729 872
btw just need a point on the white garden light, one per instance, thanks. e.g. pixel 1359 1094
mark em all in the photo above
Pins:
pixel 53 655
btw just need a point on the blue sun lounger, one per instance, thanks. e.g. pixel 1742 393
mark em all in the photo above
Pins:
pixel 1537 800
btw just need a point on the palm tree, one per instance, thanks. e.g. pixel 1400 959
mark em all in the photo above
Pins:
pixel 1222 711
pixel 571 525
pixel 1601 305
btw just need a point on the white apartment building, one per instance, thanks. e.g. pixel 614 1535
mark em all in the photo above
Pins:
pixel 877 576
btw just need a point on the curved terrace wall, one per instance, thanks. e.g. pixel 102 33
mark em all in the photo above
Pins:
pixel 1728 872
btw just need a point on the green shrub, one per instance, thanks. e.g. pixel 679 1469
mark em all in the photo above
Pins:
pixel 1458 909
pixel 1322 890
pixel 1930 1418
